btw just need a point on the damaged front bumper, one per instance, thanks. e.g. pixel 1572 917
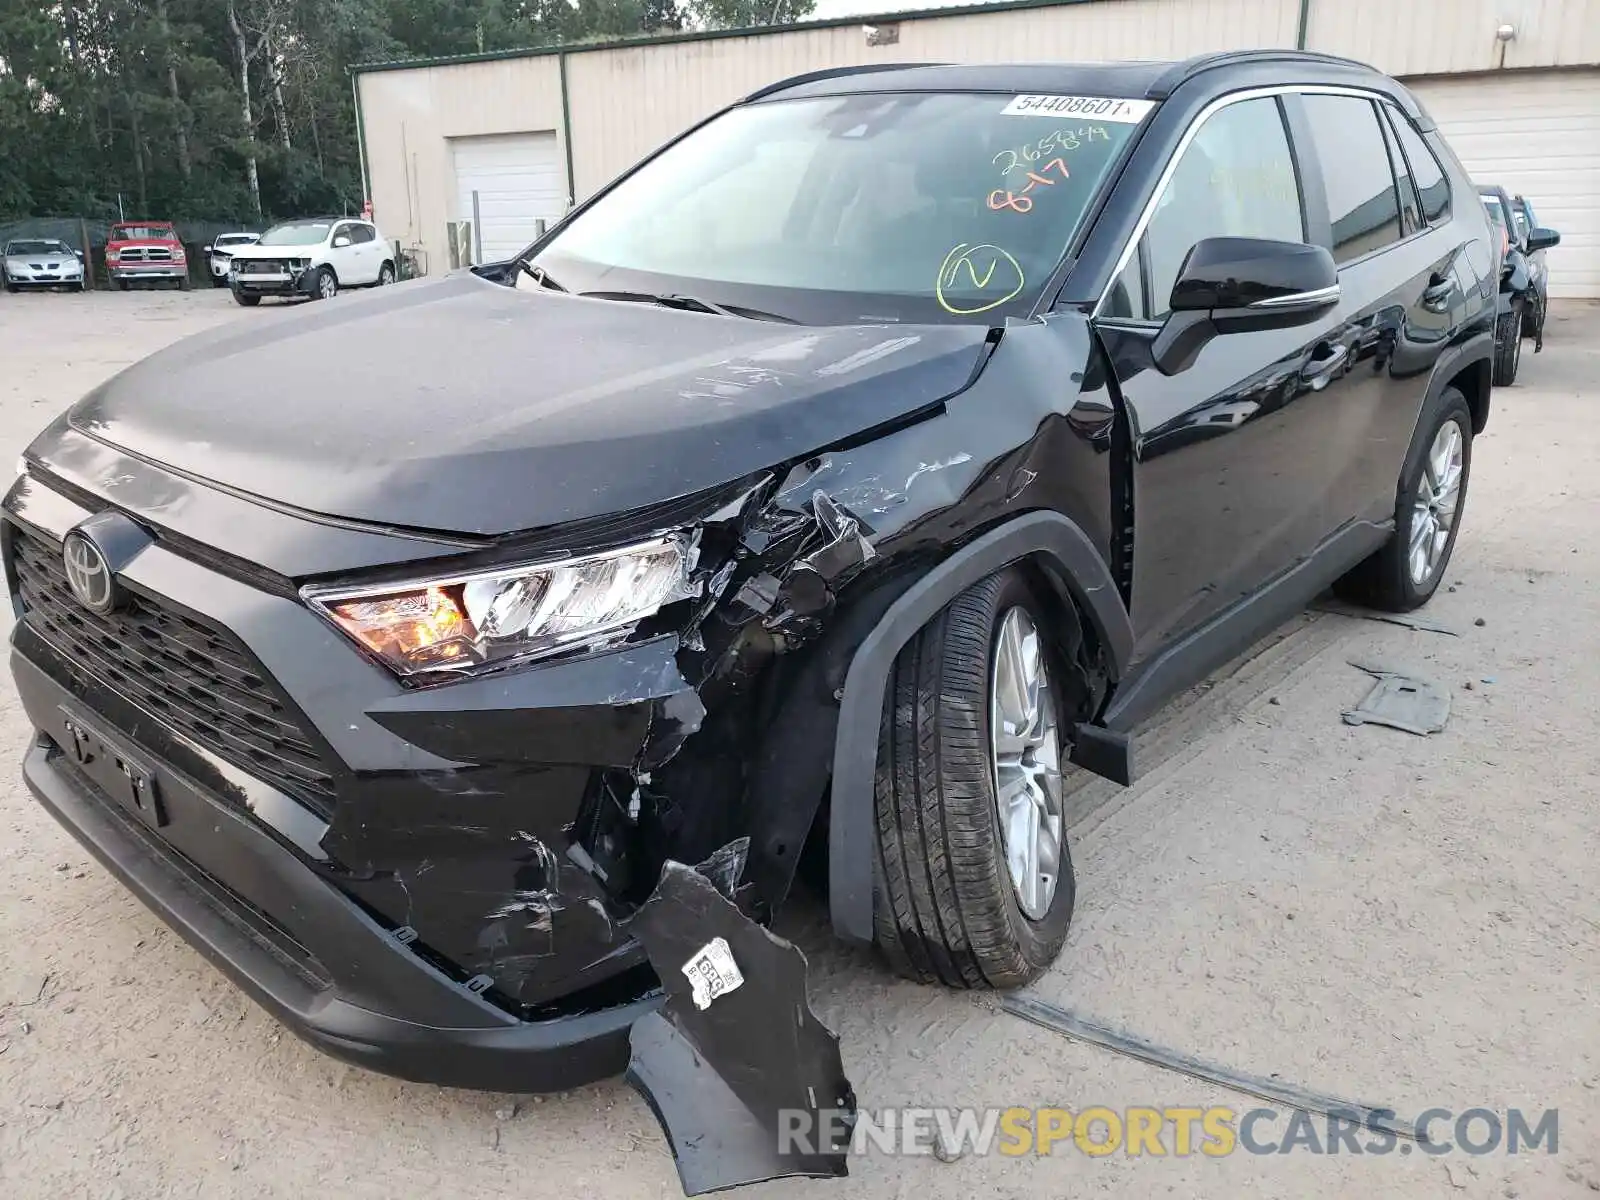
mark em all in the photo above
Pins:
pixel 310 955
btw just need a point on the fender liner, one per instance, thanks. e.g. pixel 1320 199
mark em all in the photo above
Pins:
pixel 855 750
pixel 1477 349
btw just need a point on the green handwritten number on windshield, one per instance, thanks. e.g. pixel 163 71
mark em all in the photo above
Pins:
pixel 983 268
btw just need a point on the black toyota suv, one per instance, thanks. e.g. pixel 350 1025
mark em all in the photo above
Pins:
pixel 825 483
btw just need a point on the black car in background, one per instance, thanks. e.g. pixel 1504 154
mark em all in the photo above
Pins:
pixel 1538 270
pixel 828 481
pixel 1524 288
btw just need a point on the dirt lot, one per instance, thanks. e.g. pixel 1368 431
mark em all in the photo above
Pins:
pixel 1408 922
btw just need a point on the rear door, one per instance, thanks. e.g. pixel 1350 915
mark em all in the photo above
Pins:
pixel 1238 459
pixel 1402 292
pixel 368 249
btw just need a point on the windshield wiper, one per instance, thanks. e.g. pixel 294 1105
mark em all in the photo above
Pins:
pixel 692 304
pixel 539 275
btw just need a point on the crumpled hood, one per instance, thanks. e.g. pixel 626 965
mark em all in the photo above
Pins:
pixel 461 405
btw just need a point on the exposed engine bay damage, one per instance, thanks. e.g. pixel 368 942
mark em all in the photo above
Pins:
pixel 722 1079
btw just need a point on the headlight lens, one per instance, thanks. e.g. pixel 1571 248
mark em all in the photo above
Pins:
pixel 491 618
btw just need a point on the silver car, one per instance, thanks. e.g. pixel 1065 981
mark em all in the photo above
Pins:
pixel 41 262
pixel 219 254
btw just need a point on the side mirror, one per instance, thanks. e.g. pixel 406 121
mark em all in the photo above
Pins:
pixel 1241 285
pixel 206 249
pixel 340 242
pixel 1543 239
pixel 79 253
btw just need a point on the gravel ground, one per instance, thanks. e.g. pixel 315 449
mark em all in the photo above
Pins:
pixel 1409 922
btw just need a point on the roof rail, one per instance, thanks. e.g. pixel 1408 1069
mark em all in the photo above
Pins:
pixel 1182 72
pixel 833 73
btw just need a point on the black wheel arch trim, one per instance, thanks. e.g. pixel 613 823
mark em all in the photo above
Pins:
pixel 850 824
pixel 1477 350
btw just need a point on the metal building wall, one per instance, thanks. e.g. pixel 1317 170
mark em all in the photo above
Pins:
pixel 625 102
pixel 1439 37
pixel 408 117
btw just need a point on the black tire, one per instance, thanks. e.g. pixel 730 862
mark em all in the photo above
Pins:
pixel 247 301
pixel 325 285
pixel 219 281
pixel 183 283
pixel 118 285
pixel 1384 580
pixel 11 287
pixel 1508 346
pixel 386 274
pixel 944 907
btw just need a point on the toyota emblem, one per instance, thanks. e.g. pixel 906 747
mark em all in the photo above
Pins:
pixel 87 573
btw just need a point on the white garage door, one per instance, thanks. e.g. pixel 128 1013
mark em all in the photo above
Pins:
pixel 518 178
pixel 1538 134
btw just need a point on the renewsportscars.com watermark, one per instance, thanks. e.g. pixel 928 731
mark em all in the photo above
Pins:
pixel 1168 1131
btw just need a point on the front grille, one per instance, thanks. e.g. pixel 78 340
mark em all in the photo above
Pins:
pixel 196 678
pixel 147 254
pixel 262 266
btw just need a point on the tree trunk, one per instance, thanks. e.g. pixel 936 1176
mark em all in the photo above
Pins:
pixel 244 109
pixel 180 130
pixel 138 148
pixel 180 133
pixel 280 111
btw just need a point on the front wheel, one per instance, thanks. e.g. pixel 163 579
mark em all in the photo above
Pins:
pixel 326 286
pixel 246 300
pixel 973 883
pixel 1508 346
pixel 1406 571
pixel 386 274
pixel 183 283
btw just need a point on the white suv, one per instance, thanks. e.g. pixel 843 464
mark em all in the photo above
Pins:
pixel 313 258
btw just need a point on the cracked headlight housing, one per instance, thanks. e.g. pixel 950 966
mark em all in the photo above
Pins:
pixel 485 619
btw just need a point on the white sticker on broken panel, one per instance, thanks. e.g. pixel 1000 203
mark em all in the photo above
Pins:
pixel 1101 108
pixel 712 972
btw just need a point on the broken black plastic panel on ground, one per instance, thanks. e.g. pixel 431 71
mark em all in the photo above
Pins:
pixel 735 1061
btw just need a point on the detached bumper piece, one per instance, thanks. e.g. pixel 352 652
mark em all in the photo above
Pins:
pixel 740 1101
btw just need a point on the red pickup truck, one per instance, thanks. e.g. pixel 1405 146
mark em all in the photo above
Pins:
pixel 139 251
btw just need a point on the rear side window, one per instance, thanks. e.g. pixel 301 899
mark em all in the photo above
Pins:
pixel 1362 199
pixel 1236 178
pixel 1433 188
pixel 1410 207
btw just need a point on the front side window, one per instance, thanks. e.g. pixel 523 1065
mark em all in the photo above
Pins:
pixel 1433 188
pixel 888 206
pixel 1236 178
pixel 1362 201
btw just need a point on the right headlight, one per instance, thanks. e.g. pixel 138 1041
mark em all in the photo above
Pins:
pixel 491 618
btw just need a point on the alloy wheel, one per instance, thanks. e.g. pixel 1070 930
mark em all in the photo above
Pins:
pixel 1433 513
pixel 327 286
pixel 1026 748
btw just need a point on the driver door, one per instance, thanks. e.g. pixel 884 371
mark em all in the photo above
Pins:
pixel 1236 457
pixel 345 256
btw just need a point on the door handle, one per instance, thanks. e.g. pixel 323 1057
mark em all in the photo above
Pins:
pixel 1325 362
pixel 1437 294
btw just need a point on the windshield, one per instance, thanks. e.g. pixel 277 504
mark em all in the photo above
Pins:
pixel 235 239
pixel 1495 209
pixel 855 208
pixel 297 233
pixel 158 233
pixel 37 247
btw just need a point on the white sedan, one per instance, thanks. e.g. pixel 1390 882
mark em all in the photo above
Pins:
pixel 41 262
pixel 312 258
